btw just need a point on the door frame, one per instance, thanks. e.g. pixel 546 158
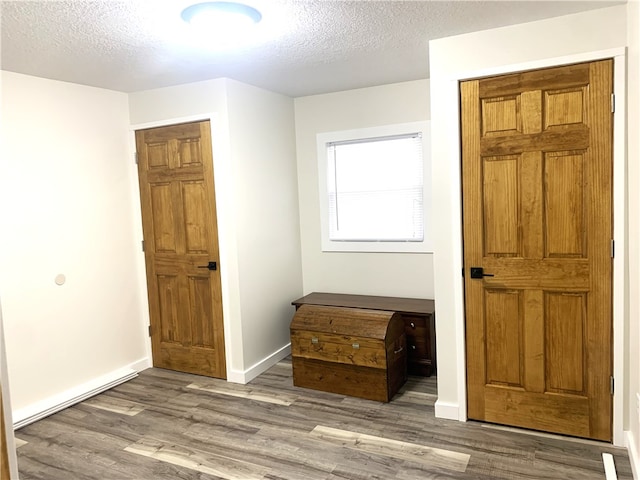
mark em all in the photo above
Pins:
pixel 220 149
pixel 7 435
pixel 449 88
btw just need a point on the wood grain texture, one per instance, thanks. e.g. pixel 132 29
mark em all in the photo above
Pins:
pixel 531 109
pixel 116 405
pixel 351 351
pixel 254 393
pixel 357 381
pixel 504 337
pixel 473 246
pixel 501 205
pixel 500 115
pixel 565 106
pixel 417 314
pixel 357 322
pixel 393 304
pixel 558 413
pixel 531 205
pixel 537 217
pixel 197 460
pixel 175 173
pixel 430 457
pixel 515 83
pixel 186 433
pixel 599 203
pixel 564 205
pixel 338 348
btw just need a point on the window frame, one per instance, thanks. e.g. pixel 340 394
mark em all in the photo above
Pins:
pixel 361 134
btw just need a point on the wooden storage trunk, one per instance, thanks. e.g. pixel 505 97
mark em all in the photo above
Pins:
pixel 418 315
pixel 350 351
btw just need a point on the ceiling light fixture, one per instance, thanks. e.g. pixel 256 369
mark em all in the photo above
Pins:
pixel 225 17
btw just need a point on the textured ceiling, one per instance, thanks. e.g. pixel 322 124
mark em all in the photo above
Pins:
pixel 300 47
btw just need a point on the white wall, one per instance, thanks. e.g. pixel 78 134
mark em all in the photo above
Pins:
pixel 261 132
pixel 465 56
pixel 180 101
pixel 632 421
pixel 256 201
pixel 201 100
pixel 65 205
pixel 392 274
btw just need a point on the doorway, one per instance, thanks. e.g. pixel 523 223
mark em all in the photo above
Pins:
pixel 175 172
pixel 537 176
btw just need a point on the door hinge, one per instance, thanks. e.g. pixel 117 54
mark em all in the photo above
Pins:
pixel 612 384
pixel 613 103
pixel 613 248
pixel 135 157
pixel 149 330
pixel 143 245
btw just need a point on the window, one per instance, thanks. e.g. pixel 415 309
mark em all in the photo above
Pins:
pixel 372 189
pixel 375 188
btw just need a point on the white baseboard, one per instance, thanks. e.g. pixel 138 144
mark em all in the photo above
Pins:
pixel 447 410
pixel 632 448
pixel 238 376
pixel 141 364
pixel 39 410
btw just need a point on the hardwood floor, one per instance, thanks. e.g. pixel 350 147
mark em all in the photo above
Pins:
pixel 170 425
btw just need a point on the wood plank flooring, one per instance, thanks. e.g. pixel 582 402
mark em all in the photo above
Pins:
pixel 170 425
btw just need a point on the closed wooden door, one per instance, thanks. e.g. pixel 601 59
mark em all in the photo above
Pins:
pixel 175 168
pixel 537 217
pixel 4 452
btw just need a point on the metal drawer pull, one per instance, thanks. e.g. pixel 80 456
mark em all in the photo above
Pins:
pixel 399 350
pixel 314 339
pixel 413 325
pixel 413 347
pixel 356 346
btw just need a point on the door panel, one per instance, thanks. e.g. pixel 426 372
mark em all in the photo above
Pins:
pixel 503 336
pixel 179 222
pixel 564 327
pixel 500 194
pixel 564 204
pixel 537 216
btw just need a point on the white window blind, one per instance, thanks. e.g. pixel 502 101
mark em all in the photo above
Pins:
pixel 375 189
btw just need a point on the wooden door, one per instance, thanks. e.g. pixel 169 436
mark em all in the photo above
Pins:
pixel 4 451
pixel 537 216
pixel 175 168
